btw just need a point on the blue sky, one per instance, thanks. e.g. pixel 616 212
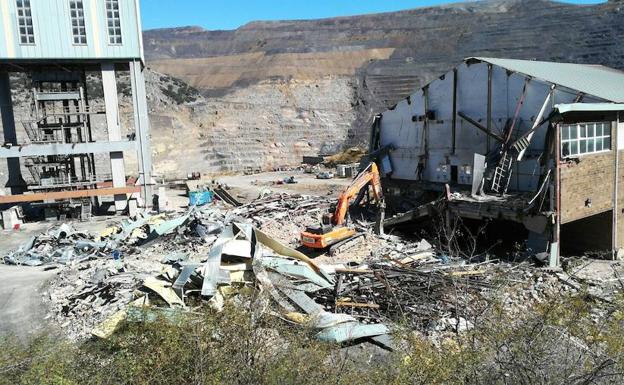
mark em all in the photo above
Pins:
pixel 230 14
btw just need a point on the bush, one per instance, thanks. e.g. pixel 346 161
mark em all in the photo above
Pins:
pixel 180 92
pixel 561 341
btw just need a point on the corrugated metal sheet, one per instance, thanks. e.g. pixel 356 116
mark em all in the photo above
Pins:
pixel 588 107
pixel 603 82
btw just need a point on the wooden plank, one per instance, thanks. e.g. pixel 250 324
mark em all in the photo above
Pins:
pixel 68 194
pixel 357 304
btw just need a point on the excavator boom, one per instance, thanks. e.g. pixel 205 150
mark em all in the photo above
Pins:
pixel 370 175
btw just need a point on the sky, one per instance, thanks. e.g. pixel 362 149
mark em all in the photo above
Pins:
pixel 231 14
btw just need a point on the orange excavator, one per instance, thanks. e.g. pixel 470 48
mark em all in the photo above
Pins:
pixel 333 231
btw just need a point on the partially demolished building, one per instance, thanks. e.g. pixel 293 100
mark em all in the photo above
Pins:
pixel 53 45
pixel 536 143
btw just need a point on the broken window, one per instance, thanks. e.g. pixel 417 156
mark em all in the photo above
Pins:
pixel 585 138
pixel 24 22
pixel 113 22
pixel 79 30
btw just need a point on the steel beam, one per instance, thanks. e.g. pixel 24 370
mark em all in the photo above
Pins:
pixel 57 195
pixel 65 149
pixel 53 96
pixel 480 127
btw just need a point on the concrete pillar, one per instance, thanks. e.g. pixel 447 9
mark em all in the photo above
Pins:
pixel 109 84
pixel 15 181
pixel 141 126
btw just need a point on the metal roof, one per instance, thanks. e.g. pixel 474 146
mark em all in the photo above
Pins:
pixel 596 80
pixel 588 107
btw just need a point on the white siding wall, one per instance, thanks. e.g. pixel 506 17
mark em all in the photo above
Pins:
pixel 398 129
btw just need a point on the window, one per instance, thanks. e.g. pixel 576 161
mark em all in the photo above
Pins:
pixel 79 30
pixel 585 138
pixel 114 21
pixel 24 22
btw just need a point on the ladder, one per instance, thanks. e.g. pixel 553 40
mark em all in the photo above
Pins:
pixel 502 174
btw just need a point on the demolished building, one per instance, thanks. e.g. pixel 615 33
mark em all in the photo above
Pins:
pixel 536 143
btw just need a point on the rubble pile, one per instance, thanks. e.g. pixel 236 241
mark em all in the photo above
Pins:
pixel 284 215
pixel 62 245
pixel 202 257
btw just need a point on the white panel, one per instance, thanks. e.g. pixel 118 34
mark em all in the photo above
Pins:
pixel 440 101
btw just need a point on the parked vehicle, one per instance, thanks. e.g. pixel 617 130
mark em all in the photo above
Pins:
pixel 325 175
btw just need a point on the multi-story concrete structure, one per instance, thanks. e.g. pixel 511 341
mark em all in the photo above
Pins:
pixel 535 143
pixel 55 43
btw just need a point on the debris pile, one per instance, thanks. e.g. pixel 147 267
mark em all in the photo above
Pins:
pixel 202 257
pixel 62 245
pixel 284 215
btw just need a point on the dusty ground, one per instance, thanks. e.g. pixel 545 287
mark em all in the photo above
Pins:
pixel 22 310
pixel 248 187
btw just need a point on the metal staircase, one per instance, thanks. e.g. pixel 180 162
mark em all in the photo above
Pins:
pixel 34 171
pixel 521 144
pixel 31 130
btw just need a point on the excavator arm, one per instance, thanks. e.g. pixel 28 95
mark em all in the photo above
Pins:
pixel 368 175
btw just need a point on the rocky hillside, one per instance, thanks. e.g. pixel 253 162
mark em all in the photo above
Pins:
pixel 275 90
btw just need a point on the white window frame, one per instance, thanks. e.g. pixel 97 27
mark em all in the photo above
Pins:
pixel 586 138
pixel 78 24
pixel 113 22
pixel 25 27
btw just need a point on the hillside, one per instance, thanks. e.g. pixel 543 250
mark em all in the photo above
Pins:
pixel 253 77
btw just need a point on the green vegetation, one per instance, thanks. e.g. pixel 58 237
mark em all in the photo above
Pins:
pixel 565 342
pixel 179 91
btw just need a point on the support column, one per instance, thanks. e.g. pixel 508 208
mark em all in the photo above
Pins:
pixel 489 107
pixel 555 245
pixel 109 84
pixel 616 187
pixel 426 120
pixel 454 124
pixel 15 181
pixel 141 126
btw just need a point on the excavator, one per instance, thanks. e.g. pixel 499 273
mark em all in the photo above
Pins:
pixel 333 231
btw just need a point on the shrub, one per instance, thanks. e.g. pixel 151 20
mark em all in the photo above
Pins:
pixel 562 341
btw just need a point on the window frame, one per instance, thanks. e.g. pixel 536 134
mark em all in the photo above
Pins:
pixel 77 17
pixel 113 18
pixel 23 17
pixel 582 134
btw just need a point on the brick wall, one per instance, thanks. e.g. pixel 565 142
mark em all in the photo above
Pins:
pixel 591 178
